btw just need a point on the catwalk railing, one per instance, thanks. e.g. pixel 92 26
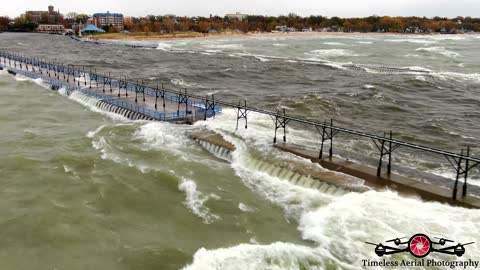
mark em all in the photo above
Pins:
pixel 462 162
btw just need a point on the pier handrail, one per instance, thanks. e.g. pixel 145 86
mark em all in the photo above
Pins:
pixel 281 119
pixel 295 119
pixel 336 128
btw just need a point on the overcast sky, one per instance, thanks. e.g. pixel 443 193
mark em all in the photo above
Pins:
pixel 342 8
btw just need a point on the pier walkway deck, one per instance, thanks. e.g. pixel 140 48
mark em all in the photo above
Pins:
pixel 146 101
pixel 138 101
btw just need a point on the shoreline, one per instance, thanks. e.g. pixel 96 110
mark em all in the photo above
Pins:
pixel 196 35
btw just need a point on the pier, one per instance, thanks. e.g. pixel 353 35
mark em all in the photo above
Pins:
pixel 136 100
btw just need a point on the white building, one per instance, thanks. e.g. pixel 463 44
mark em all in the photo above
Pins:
pixel 51 28
pixel 237 16
pixel 103 19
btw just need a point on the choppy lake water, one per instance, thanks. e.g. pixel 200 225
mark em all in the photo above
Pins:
pixel 86 189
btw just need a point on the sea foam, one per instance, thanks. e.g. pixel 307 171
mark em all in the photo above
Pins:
pixel 195 200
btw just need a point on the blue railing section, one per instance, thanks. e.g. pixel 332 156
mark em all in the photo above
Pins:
pixel 153 92
pixel 70 70
pixel 126 105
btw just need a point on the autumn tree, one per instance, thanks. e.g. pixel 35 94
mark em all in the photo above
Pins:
pixel 390 24
pixel 81 18
pixel 174 24
pixel 204 26
pixel 4 21
pixel 71 16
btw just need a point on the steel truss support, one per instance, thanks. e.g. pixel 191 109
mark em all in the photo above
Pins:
pixel 280 122
pixel 385 148
pixel 327 133
pixel 210 105
pixel 159 93
pixel 242 112
pixel 71 71
pixel 182 98
pixel 122 84
pixel 139 88
pixel 107 81
pixel 462 167
pixel 60 69
pixel 92 76
pixel 81 73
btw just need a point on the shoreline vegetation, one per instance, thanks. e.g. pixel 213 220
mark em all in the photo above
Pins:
pixel 172 26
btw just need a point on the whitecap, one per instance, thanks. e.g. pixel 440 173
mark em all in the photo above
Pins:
pixel 441 51
pixel 245 208
pixel 223 46
pixel 333 53
pixel 92 134
pixel 335 43
pixel 163 135
pixel 164 46
pixel 183 83
pixel 275 256
pixel 195 200
pixel 63 91
pixel 416 41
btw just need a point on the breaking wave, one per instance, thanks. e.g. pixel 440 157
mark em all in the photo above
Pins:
pixel 333 53
pixel 441 51
pixel 336 226
pixel 335 44
pixel 164 46
pixel 416 41
pixel 223 46
pixel 195 201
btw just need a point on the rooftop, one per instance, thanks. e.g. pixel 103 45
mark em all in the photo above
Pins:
pixel 108 14
pixel 92 28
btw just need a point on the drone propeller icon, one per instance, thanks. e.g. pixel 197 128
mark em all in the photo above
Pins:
pixel 419 245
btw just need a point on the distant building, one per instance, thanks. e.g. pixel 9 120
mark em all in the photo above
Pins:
pixel 51 28
pixel 237 16
pixel 284 28
pixel 50 16
pixel 104 19
pixel 90 29
pixel 281 28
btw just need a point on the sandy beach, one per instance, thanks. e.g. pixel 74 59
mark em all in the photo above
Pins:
pixel 196 35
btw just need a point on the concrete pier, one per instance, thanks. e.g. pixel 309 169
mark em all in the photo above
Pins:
pixel 426 186
pixel 145 101
pixel 428 191
pixel 138 101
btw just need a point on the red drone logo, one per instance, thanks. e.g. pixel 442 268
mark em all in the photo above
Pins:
pixel 419 245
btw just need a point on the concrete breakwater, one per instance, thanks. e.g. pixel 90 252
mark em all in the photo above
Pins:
pixel 340 175
pixel 327 182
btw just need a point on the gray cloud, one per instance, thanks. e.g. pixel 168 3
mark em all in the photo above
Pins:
pixel 342 8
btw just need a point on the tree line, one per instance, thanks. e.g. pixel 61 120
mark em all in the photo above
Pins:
pixel 297 23
pixel 290 22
